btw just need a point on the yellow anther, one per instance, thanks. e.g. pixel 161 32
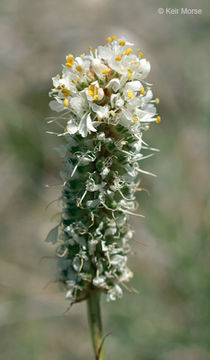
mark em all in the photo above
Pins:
pixel 132 62
pixel 63 86
pixel 66 92
pixel 66 102
pixel 95 97
pixel 140 54
pixel 158 120
pixel 128 51
pixel 100 118
pixel 135 119
pixel 130 94
pixel 157 101
pixel 122 43
pixel 129 74
pixel 58 87
pixel 106 71
pixel 109 39
pixel 73 81
pixel 118 58
pixel 57 76
pixel 90 48
pixel 114 37
pixel 142 91
pixel 63 76
pixel 78 78
pixel 112 113
pixel 123 142
pixel 79 68
pixel 70 60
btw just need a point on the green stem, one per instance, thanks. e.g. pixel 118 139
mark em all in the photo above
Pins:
pixel 95 323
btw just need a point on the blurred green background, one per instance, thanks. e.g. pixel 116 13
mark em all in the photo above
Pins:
pixel 170 317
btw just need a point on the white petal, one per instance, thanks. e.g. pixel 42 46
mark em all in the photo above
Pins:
pixel 55 106
pixel 98 67
pixel 100 94
pixel 85 125
pixel 101 111
pixel 114 84
pixel 134 85
pixel 145 67
pixel 78 105
pixel 71 127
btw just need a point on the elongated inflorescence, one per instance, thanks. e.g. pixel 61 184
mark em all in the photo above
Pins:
pixel 105 106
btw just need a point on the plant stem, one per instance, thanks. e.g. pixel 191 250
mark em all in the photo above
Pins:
pixel 95 323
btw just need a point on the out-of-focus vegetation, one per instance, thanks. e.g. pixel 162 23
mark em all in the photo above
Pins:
pixel 170 317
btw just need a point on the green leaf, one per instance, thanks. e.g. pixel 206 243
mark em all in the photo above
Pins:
pixel 53 235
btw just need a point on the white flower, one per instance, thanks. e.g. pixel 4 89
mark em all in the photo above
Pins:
pixel 106 85
pixel 94 92
pixel 72 128
pixel 85 126
pixel 99 68
pixel 101 111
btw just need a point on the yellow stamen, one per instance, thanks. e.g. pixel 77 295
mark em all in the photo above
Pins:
pixel 158 120
pixel 90 48
pixel 91 90
pixel 78 78
pixel 123 142
pixel 157 101
pixel 130 74
pixel 135 119
pixel 133 62
pixel 140 54
pixel 142 91
pixel 130 94
pixel 122 42
pixel 112 113
pixel 128 51
pixel 95 97
pixel 100 118
pixel 66 102
pixel 58 87
pixel 70 60
pixel 73 81
pixel 114 37
pixel 66 92
pixel 106 71
pixel 57 76
pixel 118 58
pixel 79 68
pixel 109 39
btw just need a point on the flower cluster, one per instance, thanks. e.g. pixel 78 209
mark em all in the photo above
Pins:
pixel 105 104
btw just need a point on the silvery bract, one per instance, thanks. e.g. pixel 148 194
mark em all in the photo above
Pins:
pixel 105 104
